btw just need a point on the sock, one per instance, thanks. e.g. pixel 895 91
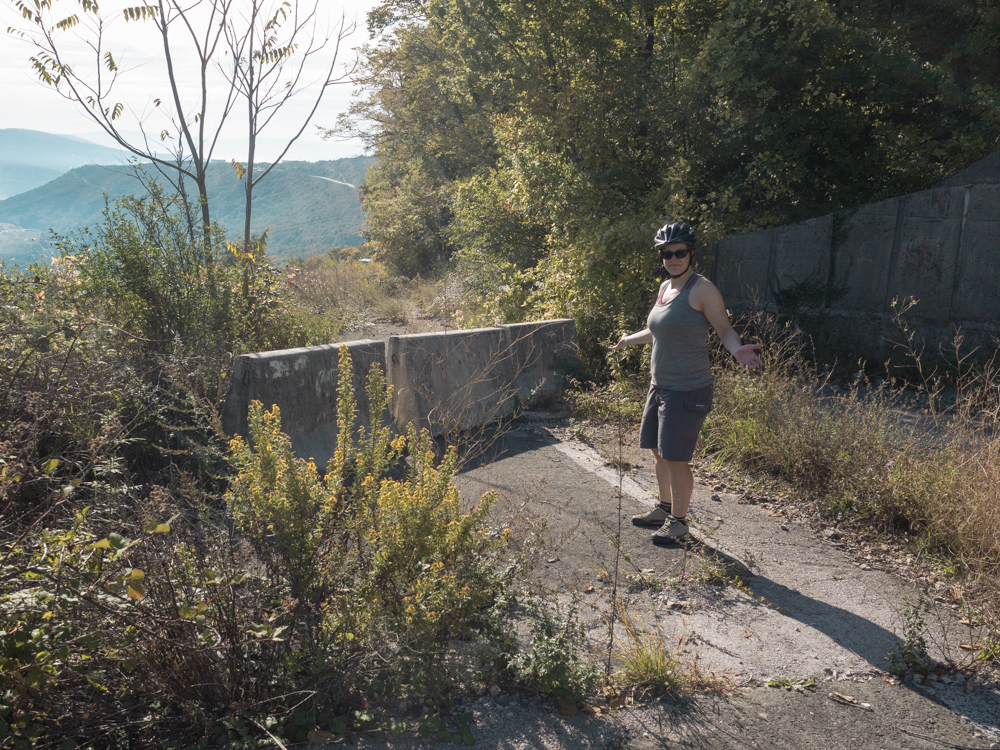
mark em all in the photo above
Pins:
pixel 665 507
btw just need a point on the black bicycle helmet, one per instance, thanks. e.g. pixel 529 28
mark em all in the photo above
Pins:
pixel 672 233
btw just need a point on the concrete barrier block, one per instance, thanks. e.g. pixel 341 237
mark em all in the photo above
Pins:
pixel 450 381
pixel 975 296
pixel 802 261
pixel 303 384
pixel 984 202
pixel 741 268
pixel 541 354
pixel 862 255
pixel 927 253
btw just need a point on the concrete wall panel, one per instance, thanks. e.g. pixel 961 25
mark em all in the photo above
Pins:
pixel 303 384
pixel 801 254
pixel 976 297
pixel 454 380
pixel 541 354
pixel 926 263
pixel 862 256
pixel 742 267
pixel 984 202
pixel 940 246
pixel 936 203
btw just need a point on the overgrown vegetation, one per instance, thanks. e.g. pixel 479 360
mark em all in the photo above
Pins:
pixel 337 294
pixel 537 151
pixel 159 587
pixel 877 452
pixel 136 612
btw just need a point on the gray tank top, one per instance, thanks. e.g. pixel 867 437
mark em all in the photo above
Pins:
pixel 680 342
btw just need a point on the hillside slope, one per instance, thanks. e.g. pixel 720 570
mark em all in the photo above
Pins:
pixel 306 204
pixel 29 158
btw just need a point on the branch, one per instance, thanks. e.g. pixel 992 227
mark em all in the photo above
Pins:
pixel 330 80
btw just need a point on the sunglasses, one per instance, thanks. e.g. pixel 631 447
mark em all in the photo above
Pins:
pixel 668 254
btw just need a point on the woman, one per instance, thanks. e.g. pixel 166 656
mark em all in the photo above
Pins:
pixel 680 396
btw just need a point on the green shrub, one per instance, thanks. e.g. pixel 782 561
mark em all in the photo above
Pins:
pixel 553 664
pixel 158 617
pixel 148 272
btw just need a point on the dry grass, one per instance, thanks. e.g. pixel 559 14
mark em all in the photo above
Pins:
pixel 331 296
pixel 923 462
pixel 902 460
pixel 645 660
pixel 870 451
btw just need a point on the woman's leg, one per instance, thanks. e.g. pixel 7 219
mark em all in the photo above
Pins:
pixel 663 478
pixel 676 478
pixel 681 481
pixel 659 513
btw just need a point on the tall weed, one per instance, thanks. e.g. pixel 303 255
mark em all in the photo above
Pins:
pixel 119 626
pixel 876 451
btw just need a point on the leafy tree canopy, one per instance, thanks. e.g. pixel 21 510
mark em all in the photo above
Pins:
pixel 539 144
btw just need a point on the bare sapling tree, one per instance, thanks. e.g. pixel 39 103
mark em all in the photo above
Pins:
pixel 215 55
pixel 270 48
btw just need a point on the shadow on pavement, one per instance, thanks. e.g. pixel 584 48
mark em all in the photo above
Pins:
pixel 851 631
pixel 493 442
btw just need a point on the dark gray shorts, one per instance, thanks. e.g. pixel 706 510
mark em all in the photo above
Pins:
pixel 672 420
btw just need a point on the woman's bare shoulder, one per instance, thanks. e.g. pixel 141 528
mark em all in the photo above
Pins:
pixel 703 291
pixel 703 281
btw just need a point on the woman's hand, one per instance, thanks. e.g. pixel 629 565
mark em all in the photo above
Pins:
pixel 621 343
pixel 746 355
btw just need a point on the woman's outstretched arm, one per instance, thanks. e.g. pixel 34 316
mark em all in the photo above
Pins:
pixel 710 301
pixel 640 337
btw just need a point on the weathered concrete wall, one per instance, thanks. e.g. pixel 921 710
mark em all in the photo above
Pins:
pixel 441 381
pixel 302 383
pixel 839 275
pixel 458 380
pixel 541 354
pixel 452 380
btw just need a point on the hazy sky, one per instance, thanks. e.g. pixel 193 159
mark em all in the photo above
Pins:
pixel 137 50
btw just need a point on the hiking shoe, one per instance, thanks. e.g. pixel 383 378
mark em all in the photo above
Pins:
pixel 673 530
pixel 654 518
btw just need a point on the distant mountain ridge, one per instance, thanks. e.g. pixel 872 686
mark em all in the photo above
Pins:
pixel 29 158
pixel 311 207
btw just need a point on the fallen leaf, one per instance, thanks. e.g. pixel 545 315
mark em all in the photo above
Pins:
pixel 967 646
pixel 553 559
pixel 592 710
pixel 718 518
pixel 849 700
pixel 567 708
pixel 588 590
pixel 779 513
pixel 747 634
